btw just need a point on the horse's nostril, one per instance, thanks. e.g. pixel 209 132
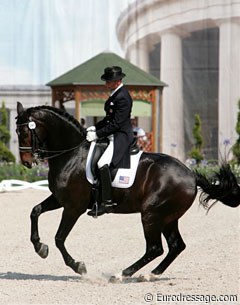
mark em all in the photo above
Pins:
pixel 27 164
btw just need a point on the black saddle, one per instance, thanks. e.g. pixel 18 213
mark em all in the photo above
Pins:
pixel 99 149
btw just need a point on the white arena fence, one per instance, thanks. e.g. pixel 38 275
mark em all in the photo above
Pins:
pixel 17 185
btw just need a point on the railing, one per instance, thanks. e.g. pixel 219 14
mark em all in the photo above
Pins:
pixel 16 185
pixel 146 142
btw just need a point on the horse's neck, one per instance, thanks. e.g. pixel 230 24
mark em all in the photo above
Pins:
pixel 61 168
pixel 63 136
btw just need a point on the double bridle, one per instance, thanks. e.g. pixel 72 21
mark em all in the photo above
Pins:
pixel 36 149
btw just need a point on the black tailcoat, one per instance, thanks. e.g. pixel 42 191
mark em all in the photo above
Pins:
pixel 117 121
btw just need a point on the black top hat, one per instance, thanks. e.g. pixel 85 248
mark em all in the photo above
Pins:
pixel 112 73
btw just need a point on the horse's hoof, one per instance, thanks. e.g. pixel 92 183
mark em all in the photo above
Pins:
pixel 81 268
pixel 43 251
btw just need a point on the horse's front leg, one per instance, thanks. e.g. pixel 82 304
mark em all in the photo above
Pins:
pixel 48 204
pixel 67 222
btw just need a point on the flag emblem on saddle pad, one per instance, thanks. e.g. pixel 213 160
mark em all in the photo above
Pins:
pixel 124 179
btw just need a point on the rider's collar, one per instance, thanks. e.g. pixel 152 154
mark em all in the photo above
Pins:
pixel 116 89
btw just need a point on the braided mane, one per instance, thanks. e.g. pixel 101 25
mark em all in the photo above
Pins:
pixel 61 114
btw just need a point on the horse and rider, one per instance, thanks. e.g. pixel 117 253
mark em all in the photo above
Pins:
pixel 162 191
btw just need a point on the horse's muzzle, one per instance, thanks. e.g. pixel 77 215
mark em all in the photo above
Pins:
pixel 26 159
pixel 27 164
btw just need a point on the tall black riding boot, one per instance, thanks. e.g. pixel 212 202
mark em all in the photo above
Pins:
pixel 106 182
pixel 106 205
pixel 96 197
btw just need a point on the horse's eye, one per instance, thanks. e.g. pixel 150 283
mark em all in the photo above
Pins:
pixel 22 131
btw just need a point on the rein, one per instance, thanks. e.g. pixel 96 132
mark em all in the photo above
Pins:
pixel 55 152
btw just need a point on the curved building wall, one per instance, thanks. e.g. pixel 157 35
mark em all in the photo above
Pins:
pixel 193 46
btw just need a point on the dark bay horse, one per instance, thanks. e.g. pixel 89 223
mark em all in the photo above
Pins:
pixel 164 188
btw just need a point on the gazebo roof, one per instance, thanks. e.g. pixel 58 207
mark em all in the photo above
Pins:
pixel 89 73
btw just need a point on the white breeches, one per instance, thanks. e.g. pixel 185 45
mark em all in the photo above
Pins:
pixel 106 158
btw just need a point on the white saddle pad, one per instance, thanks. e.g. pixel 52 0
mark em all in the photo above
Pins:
pixel 124 177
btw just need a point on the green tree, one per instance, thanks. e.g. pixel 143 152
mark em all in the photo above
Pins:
pixel 196 151
pixel 5 153
pixel 236 146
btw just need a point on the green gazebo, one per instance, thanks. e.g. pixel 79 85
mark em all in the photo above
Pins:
pixel 83 85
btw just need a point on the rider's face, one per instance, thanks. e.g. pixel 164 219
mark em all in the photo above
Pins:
pixel 112 84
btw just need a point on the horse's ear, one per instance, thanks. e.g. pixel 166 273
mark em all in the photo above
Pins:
pixel 20 108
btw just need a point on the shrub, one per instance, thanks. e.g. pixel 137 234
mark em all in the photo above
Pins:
pixel 211 167
pixel 236 146
pixel 5 153
pixel 19 172
pixel 196 151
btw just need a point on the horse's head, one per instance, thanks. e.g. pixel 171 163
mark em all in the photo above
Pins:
pixel 30 135
pixel 45 132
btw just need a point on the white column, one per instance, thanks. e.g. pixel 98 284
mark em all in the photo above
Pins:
pixel 13 145
pixel 229 83
pixel 138 55
pixel 171 73
pixel 143 57
pixel 131 54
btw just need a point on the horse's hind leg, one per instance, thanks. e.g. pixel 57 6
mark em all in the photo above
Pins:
pixel 67 222
pixel 48 204
pixel 153 249
pixel 175 245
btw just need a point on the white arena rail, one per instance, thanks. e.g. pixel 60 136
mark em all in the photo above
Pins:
pixel 16 185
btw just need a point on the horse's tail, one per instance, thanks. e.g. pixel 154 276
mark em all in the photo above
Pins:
pixel 222 187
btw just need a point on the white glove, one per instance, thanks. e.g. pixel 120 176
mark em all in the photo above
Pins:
pixel 91 128
pixel 91 136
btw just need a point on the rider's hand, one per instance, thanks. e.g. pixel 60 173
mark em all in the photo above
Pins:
pixel 91 136
pixel 91 128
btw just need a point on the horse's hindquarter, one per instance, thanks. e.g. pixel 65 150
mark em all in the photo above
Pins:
pixel 162 184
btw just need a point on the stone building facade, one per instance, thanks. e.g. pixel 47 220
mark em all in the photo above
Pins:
pixel 193 46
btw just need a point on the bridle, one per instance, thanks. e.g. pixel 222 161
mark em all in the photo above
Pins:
pixel 35 141
pixel 36 149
